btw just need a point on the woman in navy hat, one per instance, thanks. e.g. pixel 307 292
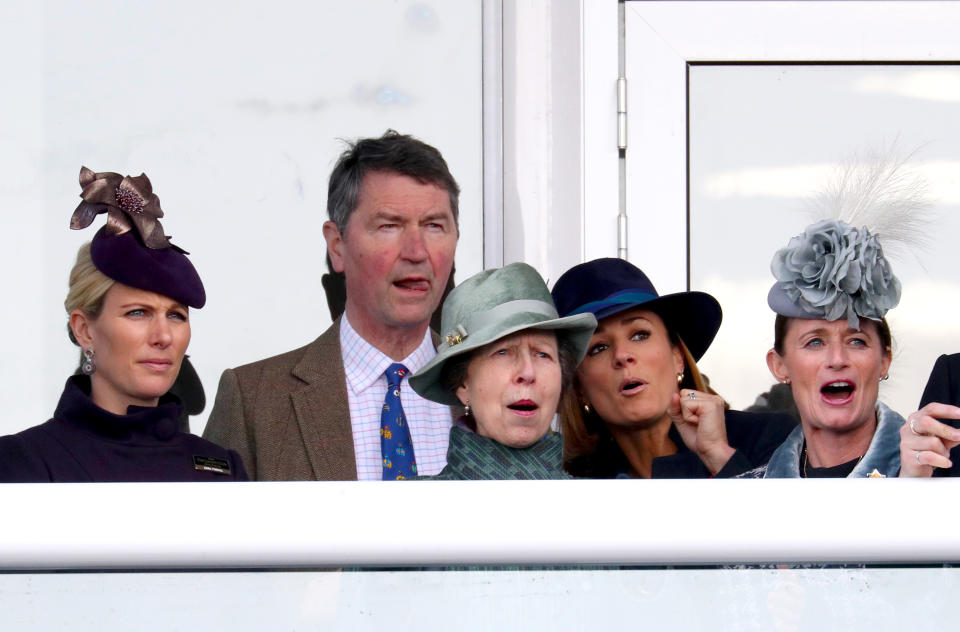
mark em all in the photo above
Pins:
pixel 639 406
pixel 129 304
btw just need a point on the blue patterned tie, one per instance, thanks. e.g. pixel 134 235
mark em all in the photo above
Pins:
pixel 396 446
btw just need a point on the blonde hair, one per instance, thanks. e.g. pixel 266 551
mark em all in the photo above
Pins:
pixel 88 287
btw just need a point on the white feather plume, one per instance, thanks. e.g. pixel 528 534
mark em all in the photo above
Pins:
pixel 881 191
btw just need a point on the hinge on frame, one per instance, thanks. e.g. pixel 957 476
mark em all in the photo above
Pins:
pixel 621 113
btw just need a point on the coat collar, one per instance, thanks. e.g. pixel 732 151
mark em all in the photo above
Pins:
pixel 144 424
pixel 472 457
pixel 883 455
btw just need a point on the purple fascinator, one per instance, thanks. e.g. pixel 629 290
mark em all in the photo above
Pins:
pixel 132 248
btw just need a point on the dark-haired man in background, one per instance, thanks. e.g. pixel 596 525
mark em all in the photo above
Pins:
pixel 340 408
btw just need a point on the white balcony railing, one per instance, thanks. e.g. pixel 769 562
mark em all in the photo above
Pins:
pixel 305 524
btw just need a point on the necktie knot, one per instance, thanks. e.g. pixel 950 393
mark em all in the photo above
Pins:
pixel 395 374
pixel 396 444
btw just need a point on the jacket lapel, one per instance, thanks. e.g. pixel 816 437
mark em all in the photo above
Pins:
pixel 883 454
pixel 785 460
pixel 323 410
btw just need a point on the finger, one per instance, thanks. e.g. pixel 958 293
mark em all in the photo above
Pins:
pixel 944 411
pixel 695 404
pixel 926 425
pixel 925 457
pixel 929 444
pixel 676 414
pixel 910 442
pixel 689 411
pixel 692 398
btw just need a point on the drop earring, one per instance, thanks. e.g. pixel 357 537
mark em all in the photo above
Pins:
pixel 88 366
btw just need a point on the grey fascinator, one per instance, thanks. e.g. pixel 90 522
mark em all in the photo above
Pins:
pixel 832 271
pixel 836 268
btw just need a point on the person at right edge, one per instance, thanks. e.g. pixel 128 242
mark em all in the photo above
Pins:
pixel 929 440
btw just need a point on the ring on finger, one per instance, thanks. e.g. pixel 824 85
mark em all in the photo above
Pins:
pixel 692 395
pixel 913 428
pixel 918 458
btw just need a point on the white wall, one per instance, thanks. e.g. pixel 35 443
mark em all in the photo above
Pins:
pixel 234 110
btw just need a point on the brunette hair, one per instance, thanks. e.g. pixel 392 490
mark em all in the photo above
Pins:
pixel 585 434
pixel 392 153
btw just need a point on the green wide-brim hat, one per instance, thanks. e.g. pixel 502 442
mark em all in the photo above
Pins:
pixel 489 306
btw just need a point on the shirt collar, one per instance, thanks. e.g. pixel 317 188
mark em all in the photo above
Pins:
pixel 364 364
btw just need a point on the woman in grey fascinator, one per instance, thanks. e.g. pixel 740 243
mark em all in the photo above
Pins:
pixel 832 345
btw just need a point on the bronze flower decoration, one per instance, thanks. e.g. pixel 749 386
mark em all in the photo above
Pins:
pixel 128 202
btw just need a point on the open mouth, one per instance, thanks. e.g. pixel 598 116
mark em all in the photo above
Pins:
pixel 412 284
pixel 631 386
pixel 837 392
pixel 525 407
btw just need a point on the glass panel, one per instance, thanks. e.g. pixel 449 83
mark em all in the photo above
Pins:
pixel 763 140
pixel 715 599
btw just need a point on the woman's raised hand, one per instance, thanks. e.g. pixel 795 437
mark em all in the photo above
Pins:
pixel 700 419
pixel 925 443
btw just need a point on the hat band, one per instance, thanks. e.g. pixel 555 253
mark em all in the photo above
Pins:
pixel 623 297
pixel 476 322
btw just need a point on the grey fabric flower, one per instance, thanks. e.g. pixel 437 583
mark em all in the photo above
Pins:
pixel 879 288
pixel 832 271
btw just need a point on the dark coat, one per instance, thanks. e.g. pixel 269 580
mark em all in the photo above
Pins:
pixel 85 444
pixel 944 387
pixel 754 436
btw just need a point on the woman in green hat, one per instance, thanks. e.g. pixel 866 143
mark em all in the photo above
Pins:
pixel 505 357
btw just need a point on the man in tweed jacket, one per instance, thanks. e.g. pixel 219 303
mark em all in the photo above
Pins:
pixel 313 413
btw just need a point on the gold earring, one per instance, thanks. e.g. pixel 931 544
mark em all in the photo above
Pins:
pixel 679 377
pixel 586 408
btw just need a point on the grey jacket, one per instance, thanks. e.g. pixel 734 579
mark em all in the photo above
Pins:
pixel 883 455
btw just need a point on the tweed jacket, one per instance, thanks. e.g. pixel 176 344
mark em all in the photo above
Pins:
pixel 288 416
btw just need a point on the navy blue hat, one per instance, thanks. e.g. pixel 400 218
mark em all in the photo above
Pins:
pixel 604 287
pixel 131 248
